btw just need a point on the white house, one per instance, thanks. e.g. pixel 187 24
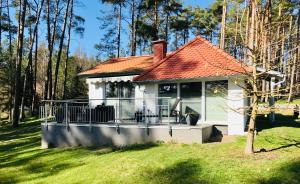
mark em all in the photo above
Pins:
pixel 204 78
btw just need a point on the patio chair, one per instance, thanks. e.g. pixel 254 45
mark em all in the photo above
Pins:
pixel 174 111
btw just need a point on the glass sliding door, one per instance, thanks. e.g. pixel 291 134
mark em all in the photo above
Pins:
pixel 190 94
pixel 216 95
pixel 126 92
pixel 167 90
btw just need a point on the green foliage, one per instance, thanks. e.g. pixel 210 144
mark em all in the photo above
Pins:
pixel 7 69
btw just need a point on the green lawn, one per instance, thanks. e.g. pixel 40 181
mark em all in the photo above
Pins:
pixel 22 160
pixel 283 101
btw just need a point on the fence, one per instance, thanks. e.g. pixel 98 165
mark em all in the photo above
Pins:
pixel 111 110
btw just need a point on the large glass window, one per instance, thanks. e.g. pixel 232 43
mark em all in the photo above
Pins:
pixel 168 90
pixel 125 91
pixel 111 90
pixel 190 94
pixel 119 90
pixel 216 94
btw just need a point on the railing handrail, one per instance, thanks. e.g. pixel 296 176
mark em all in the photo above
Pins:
pixel 97 99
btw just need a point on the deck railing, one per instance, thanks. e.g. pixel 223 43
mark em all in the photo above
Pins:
pixel 105 111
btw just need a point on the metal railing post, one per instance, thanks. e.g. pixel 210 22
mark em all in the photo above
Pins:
pixel 168 111
pixel 67 123
pixel 90 117
pixel 46 114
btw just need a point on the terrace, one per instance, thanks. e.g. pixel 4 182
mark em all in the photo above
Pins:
pixel 122 121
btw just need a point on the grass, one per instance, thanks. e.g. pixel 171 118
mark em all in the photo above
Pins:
pixel 284 101
pixel 22 160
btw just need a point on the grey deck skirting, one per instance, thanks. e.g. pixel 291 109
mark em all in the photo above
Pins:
pixel 60 135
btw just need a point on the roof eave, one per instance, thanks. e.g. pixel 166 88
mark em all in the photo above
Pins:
pixel 193 79
pixel 113 74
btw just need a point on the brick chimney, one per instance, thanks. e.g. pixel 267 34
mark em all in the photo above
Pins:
pixel 159 49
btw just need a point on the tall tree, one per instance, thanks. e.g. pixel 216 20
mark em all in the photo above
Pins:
pixel 18 88
pixel 67 52
pixel 252 57
pixel 223 25
pixel 51 36
pixel 28 80
pixel 62 37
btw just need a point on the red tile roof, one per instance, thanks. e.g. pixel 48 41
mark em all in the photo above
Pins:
pixel 127 65
pixel 197 59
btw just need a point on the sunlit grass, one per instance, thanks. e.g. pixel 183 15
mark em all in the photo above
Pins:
pixel 23 161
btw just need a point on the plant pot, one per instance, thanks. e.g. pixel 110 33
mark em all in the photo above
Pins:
pixel 192 119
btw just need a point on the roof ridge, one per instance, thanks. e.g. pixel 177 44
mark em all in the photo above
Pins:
pixel 169 56
pixel 125 57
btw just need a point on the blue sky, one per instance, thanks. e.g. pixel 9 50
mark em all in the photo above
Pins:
pixel 90 10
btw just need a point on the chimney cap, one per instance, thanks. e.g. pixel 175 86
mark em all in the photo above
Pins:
pixel 159 41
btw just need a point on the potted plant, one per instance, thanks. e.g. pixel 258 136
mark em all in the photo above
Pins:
pixel 191 116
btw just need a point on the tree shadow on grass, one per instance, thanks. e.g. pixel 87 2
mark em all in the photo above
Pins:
pixel 20 148
pixel 284 142
pixel 289 173
pixel 127 148
pixel 264 123
pixel 7 133
pixel 187 171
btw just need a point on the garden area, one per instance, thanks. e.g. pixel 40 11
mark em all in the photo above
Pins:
pixel 277 159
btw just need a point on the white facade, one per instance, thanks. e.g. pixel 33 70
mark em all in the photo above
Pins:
pixel 236 102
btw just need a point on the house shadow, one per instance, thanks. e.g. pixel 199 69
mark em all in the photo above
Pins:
pixel 289 173
pixel 186 171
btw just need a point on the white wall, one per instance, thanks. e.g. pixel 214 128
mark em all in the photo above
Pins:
pixel 96 91
pixel 151 102
pixel 149 92
pixel 236 111
pixel 139 95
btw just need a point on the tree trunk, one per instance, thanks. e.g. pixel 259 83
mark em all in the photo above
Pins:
pixel 67 52
pixel 29 69
pixel 236 29
pixel 251 129
pixel 18 88
pixel 62 37
pixel 35 73
pixel 51 40
pixel 246 36
pixel 1 5
pixel 119 30
pixel 132 38
pixel 298 51
pixel 156 21
pixel 10 63
pixel 223 25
